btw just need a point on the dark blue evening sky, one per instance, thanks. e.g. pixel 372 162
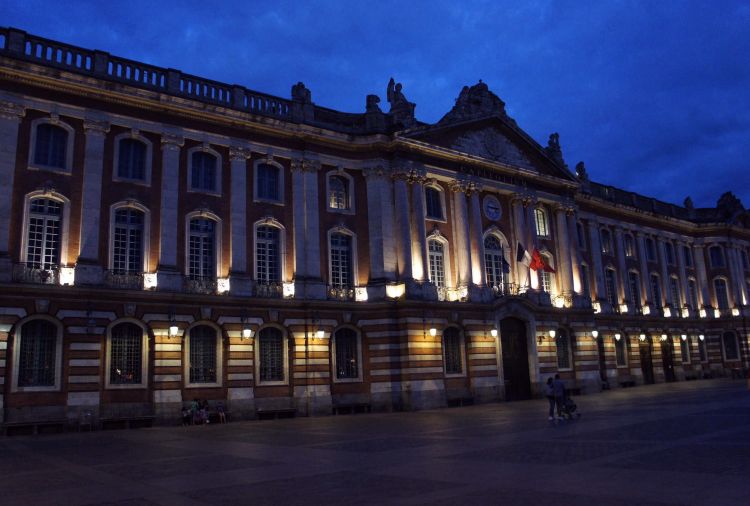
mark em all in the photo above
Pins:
pixel 654 96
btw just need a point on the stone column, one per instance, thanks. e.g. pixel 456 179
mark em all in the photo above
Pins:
pixel 564 265
pixel 300 226
pixel 403 226
pixel 383 263
pixel 167 275
pixel 575 259
pixel 478 274
pixel 682 273
pixel 463 242
pixel 519 237
pixel 736 271
pixel 419 230
pixel 623 292
pixel 700 269
pixel 665 288
pixel 645 277
pixel 316 288
pixel 240 278
pixel 10 118
pixel 88 269
pixel 596 257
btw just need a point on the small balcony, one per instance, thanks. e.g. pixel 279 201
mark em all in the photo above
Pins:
pixel 269 290
pixel 39 274
pixel 206 285
pixel 343 293
pixel 123 280
pixel 507 290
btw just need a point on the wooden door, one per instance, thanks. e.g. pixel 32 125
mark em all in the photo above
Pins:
pixel 515 359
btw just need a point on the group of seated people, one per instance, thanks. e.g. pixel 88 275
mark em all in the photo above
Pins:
pixel 199 411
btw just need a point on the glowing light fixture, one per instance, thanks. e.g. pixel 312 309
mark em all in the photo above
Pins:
pixel 67 276
pixel 149 281
pixel 395 291
pixel 433 331
pixel 683 337
pixel 701 337
pixel 594 334
pixel 664 337
pixel 642 337
pixel 493 332
pixel 618 336
pixel 222 285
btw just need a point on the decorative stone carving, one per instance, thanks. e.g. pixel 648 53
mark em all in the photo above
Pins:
pixel 475 102
pixel 95 127
pixel 553 149
pixel 376 171
pixel 42 305
pixel 206 312
pixel 371 104
pixel 238 154
pixel 171 142
pixel 129 310
pixel 301 94
pixel 11 110
pixel 401 109
pixel 305 165
pixel 489 143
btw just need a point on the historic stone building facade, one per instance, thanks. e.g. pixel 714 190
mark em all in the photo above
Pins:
pixel 164 237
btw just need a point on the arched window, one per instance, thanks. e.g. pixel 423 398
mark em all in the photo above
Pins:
pixel 542 227
pixel 650 250
pixel 437 263
pixel 268 182
pixel 43 235
pixel 50 146
pixel 610 286
pixel 338 192
pixel 669 253
pixel 131 159
pixel 267 255
pixel 271 356
pixel 203 357
pixel 494 262
pixel 545 279
pixel 722 298
pixel 687 252
pixel 203 171
pixel 606 239
pixel 452 351
pixel 656 290
pixel 341 261
pixel 731 348
pixel 126 354
pixel 634 287
pixel 347 356
pixel 38 355
pixel 716 255
pixel 127 246
pixel 433 200
pixel 563 349
pixel 201 249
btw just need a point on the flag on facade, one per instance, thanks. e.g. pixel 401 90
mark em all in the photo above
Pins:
pixel 522 255
pixel 538 263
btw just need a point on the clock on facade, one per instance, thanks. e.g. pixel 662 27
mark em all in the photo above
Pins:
pixel 492 208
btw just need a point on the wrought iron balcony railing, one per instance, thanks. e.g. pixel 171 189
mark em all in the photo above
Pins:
pixel 124 280
pixel 269 290
pixel 508 290
pixel 200 284
pixel 41 274
pixel 340 292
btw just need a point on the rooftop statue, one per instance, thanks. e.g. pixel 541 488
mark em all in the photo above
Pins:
pixel 401 109
pixel 475 102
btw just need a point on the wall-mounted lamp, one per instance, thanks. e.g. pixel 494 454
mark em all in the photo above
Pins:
pixel 552 334
pixel 701 337
pixel 247 330
pixel 433 331
pixel 664 337
pixel 642 337
pixel 594 334
pixel 90 321
pixel 320 334
pixel 493 332
pixel 618 336
pixel 683 337
pixel 173 329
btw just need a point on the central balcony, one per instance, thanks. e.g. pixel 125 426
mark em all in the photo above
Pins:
pixel 269 290
pixel 344 293
pixel 123 280
pixel 205 285
pixel 39 274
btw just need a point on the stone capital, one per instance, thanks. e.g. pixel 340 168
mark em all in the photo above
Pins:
pixel 95 127
pixel 171 142
pixel 238 154
pixel 376 172
pixel 416 175
pixel 305 165
pixel 11 110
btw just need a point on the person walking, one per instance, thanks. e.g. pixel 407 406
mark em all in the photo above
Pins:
pixel 549 392
pixel 558 387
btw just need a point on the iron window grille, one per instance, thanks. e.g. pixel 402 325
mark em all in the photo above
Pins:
pixel 203 363
pixel 37 354
pixel 452 351
pixel 338 197
pixel 347 354
pixel 271 351
pixel 656 291
pixel 563 350
pixel 610 285
pixel 685 351
pixel 634 283
pixel 126 354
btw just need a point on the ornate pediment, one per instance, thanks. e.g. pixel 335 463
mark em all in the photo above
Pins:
pixel 491 144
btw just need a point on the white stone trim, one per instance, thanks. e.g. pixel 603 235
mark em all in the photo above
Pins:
pixel 146 246
pixel 341 172
pixel 204 148
pixel 64 226
pixel 285 351
pixel 218 253
pixel 360 364
pixel 274 163
pixel 270 221
pixel 339 229
pixel 17 336
pixel 434 185
pixel 462 351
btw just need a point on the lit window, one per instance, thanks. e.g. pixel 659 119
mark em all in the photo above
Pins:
pixel 433 203
pixel 494 261
pixel 338 193
pixel 452 351
pixel 341 261
pixel 201 249
pixel 203 172
pixel 203 356
pixel 38 355
pixel 346 344
pixel 126 355
pixel 563 349
pixel 540 218
pixel 268 182
pixel 545 279
pixel 722 298
pixel 437 265
pixel 629 246
pixel 267 255
pixel 131 163
pixel 43 236
pixel 51 145
pixel 271 355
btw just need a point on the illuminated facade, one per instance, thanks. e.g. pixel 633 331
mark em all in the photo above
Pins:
pixel 164 237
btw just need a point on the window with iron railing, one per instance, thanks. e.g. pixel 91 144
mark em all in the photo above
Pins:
pixel 452 351
pixel 201 249
pixel 494 262
pixel 271 355
pixel 37 357
pixel 346 343
pixel 203 363
pixel 43 237
pixel 126 354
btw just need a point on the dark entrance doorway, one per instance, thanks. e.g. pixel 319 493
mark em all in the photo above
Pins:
pixel 667 359
pixel 515 359
pixel 602 361
pixel 647 364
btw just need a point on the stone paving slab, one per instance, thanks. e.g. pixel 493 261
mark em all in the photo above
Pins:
pixel 678 444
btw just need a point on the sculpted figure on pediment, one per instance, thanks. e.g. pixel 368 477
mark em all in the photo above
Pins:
pixel 491 144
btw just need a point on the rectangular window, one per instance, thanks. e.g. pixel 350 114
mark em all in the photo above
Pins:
pixel 203 354
pixel 563 350
pixel 634 285
pixel 43 240
pixel 201 263
pixel 656 291
pixel 37 354
pixel 621 356
pixel 610 284
pixel 722 299
pixel 692 294
pixel 581 236
pixel 203 175
pixel 267 255
pixel 125 354
pixel 585 281
pixel 674 290
pixel 650 250
pixel 685 351
pixel 132 159
pixel 542 228
pixel 546 280
pixel 606 239
pixel 629 246
pixel 341 261
pixel 128 241
pixel 452 351
pixel 702 350
pixel 268 182
pixel 347 355
pixel 437 268
pixel 669 253
pixel 433 203
pixel 50 146
pixel 271 355
pixel 688 254
pixel 731 352
pixel 716 255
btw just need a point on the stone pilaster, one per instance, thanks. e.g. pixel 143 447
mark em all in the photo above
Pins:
pixel 623 294
pixel 382 236
pixel 10 118
pixel 167 276
pixel 575 258
pixel 643 263
pixel 307 243
pixel 666 292
pixel 564 261
pixel 419 229
pixel 598 269
pixel 403 226
pixel 463 242
pixel 88 269
pixel 240 278
pixel 683 273
pixel 700 269
pixel 478 273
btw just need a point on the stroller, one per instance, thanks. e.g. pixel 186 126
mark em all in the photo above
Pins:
pixel 570 408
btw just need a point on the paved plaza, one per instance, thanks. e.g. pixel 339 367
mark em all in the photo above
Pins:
pixel 682 443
